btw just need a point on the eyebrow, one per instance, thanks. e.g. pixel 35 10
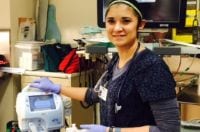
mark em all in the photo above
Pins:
pixel 121 18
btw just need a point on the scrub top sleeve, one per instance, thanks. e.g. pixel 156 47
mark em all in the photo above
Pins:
pixel 91 97
pixel 156 83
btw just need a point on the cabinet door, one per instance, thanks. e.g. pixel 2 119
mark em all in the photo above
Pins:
pixel 190 112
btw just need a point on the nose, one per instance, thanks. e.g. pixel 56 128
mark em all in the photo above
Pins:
pixel 118 27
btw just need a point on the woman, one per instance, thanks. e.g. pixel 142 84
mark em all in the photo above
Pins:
pixel 137 91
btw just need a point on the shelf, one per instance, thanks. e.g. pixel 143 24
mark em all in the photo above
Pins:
pixel 189 95
pixel 50 74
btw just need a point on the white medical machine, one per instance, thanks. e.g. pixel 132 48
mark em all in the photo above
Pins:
pixel 39 111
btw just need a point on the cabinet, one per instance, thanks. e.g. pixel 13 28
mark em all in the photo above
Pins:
pixel 190 102
pixel 79 115
pixel 10 11
pixel 69 22
pixel 188 97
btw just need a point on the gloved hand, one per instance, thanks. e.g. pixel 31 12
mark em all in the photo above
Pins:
pixel 46 85
pixel 94 128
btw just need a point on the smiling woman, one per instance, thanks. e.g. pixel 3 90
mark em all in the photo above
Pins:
pixel 137 87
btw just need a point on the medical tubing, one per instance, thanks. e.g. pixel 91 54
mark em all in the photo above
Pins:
pixel 96 87
pixel 32 127
pixel 25 89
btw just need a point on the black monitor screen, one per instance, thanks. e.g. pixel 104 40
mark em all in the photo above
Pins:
pixel 158 14
pixel 41 102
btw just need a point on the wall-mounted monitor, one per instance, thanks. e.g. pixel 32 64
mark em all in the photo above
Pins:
pixel 158 14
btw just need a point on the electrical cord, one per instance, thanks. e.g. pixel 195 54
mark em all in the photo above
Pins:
pixel 83 104
pixel 195 25
pixel 193 78
pixel 33 127
pixel 189 78
pixel 188 67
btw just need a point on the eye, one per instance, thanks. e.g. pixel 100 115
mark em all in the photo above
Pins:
pixel 110 21
pixel 126 20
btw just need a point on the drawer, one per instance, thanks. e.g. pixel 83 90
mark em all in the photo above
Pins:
pixel 28 79
pixel 62 81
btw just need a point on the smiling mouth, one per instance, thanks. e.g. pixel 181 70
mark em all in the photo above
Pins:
pixel 118 36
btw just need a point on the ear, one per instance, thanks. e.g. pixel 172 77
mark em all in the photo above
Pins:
pixel 142 24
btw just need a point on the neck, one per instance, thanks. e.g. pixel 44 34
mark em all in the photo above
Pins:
pixel 125 54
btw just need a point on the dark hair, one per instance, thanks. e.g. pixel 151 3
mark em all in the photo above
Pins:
pixel 136 8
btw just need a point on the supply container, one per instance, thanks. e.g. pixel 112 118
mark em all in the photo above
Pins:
pixel 28 55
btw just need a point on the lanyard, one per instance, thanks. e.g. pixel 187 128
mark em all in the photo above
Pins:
pixel 109 73
pixel 134 56
pixel 96 87
pixel 117 104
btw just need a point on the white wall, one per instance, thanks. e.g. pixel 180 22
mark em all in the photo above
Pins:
pixel 74 14
pixel 71 16
pixel 4 14
pixel 10 10
pixel 20 8
pixel 4 24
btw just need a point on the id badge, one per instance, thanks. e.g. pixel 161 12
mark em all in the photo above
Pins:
pixel 103 93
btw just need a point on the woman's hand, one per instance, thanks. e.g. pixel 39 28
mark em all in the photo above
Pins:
pixel 46 85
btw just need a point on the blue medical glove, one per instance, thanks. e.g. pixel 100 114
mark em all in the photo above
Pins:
pixel 93 127
pixel 46 85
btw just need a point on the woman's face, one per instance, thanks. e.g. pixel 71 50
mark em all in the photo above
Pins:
pixel 121 25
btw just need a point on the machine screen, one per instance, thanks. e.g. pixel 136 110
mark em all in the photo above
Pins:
pixel 41 102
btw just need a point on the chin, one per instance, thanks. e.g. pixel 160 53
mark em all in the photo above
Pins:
pixel 118 41
pixel 119 44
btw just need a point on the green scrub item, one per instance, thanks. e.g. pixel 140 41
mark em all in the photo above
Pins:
pixel 52 32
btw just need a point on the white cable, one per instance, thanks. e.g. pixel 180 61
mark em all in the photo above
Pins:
pixel 25 89
pixel 32 127
pixel 45 129
pixel 96 87
pixel 180 43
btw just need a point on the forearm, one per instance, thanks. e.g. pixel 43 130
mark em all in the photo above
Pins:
pixel 135 129
pixel 166 114
pixel 77 93
pixel 131 129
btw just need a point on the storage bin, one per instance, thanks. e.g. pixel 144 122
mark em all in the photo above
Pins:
pixel 28 55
